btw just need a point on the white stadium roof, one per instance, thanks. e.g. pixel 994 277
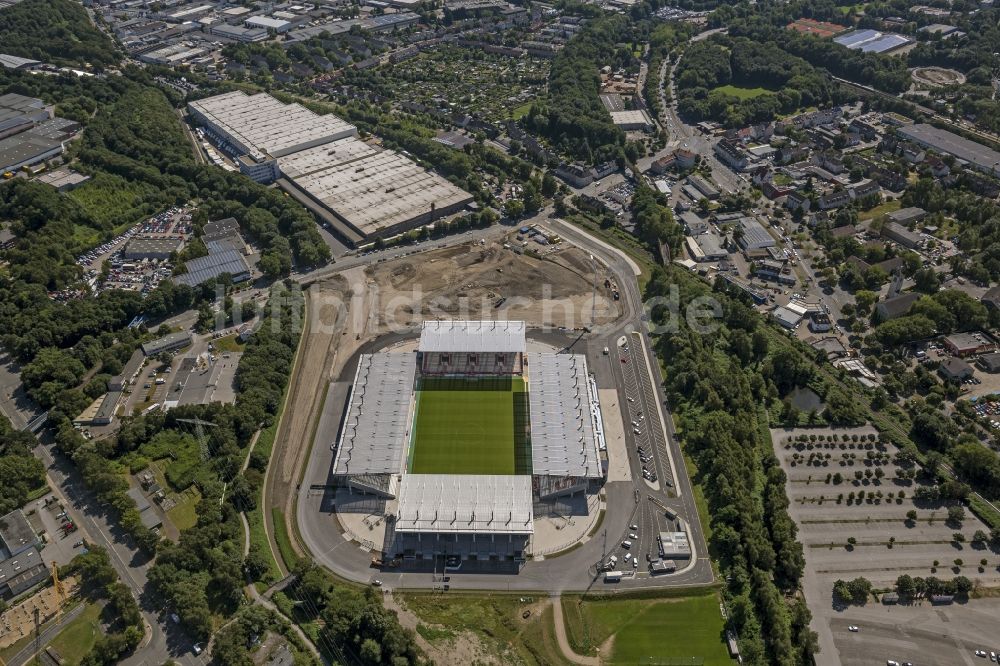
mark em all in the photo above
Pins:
pixel 463 503
pixel 374 436
pixel 563 441
pixel 473 336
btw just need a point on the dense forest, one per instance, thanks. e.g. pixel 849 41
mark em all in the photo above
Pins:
pixel 55 31
pixel 775 82
pixel 21 473
pixel 573 117
pixel 767 24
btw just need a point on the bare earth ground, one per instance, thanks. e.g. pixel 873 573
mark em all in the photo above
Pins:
pixel 938 76
pixel 465 648
pixel 325 324
pixel 468 281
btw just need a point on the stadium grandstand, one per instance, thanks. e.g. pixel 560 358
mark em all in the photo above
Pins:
pixel 461 438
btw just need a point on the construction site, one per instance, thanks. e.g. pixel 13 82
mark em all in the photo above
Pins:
pixel 562 289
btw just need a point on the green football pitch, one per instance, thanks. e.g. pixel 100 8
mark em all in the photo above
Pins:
pixel 470 426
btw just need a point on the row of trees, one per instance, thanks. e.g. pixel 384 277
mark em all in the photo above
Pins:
pixel 99 581
pixel 716 382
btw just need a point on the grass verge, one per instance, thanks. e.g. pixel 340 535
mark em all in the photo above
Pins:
pixel 282 539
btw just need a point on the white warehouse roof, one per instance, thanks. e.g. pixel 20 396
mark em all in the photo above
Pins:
pixel 261 126
pixel 464 503
pixel 563 416
pixel 374 435
pixel 370 188
pixel 473 336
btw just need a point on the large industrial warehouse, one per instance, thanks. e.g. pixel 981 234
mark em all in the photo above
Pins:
pixel 362 190
pixel 461 437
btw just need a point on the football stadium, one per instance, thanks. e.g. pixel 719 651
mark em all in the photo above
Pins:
pixel 459 439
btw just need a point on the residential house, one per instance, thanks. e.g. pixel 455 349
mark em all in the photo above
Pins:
pixel 955 370
pixel 731 155
pixel 798 200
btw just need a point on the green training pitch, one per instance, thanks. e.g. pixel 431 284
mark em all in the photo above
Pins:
pixel 470 426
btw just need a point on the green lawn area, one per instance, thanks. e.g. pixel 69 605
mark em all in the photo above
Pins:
pixel 77 637
pixel 230 343
pixel 520 111
pixel 184 515
pixel 649 630
pixel 468 426
pixel 879 210
pixel 741 92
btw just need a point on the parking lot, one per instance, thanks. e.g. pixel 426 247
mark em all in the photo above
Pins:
pixel 873 511
pixel 920 634
pixel 131 274
pixel 851 527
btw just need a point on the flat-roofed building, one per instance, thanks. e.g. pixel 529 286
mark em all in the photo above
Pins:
pixel 900 234
pixel 753 235
pixel 214 265
pixel 271 24
pixel 16 62
pixel 262 127
pixel 22 572
pixel 674 545
pixel 968 344
pixel 63 180
pixel 981 157
pixel 167 343
pixel 158 249
pixel 631 120
pixel 363 191
pixel 373 191
pixel 16 535
pixel 703 187
pixel 128 373
pixel 238 33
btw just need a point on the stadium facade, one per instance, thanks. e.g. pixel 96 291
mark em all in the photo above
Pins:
pixel 463 436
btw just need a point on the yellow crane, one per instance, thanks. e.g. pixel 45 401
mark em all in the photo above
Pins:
pixel 57 584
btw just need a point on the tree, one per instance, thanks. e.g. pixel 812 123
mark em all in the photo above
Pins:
pixel 956 515
pixel 371 651
pixel 980 537
pixel 905 586
pixel 911 516
pixel 513 208
pixel 958 537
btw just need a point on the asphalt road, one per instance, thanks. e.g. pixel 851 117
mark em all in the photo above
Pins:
pixel 164 641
